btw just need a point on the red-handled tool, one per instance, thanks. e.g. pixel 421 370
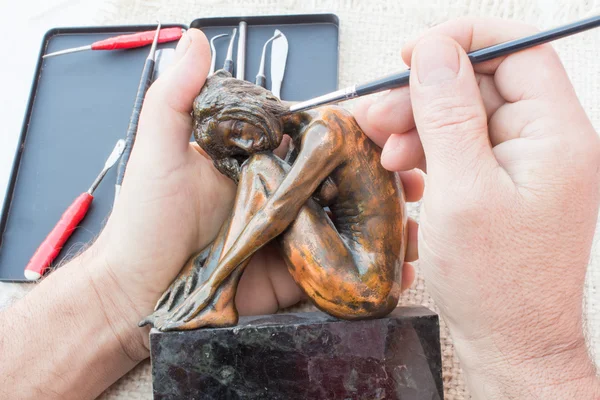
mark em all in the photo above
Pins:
pixel 52 245
pixel 126 41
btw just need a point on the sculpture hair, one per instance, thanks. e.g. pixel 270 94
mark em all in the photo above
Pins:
pixel 224 98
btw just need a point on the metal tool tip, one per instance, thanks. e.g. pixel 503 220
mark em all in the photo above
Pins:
pixel 154 42
pixel 212 40
pixel 116 153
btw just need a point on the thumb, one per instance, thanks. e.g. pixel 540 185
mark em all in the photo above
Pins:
pixel 165 122
pixel 449 112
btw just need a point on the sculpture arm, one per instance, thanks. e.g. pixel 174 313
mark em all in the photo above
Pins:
pixel 321 153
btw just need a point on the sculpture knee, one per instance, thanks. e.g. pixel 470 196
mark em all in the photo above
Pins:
pixel 363 303
pixel 379 304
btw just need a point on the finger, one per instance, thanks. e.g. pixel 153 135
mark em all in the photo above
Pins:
pixel 522 75
pixel 165 122
pixel 403 151
pixel 412 250
pixel 281 151
pixel 413 184
pixel 388 114
pixel 392 114
pixel 474 34
pixel 371 130
pixel 408 276
pixel 512 119
pixel 266 285
pixel 449 113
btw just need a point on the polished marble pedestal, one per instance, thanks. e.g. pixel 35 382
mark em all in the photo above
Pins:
pixel 303 356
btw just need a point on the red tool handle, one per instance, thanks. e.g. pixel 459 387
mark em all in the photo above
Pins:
pixel 51 246
pixel 137 39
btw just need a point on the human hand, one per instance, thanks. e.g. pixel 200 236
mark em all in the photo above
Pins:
pixel 510 203
pixel 172 204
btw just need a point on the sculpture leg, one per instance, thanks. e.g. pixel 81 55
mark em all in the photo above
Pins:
pixel 328 266
pixel 260 176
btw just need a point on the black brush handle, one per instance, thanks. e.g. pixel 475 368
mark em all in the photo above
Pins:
pixel 513 46
pixel 145 82
pixel 487 53
pixel 387 82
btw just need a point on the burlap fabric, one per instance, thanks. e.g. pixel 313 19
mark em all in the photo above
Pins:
pixel 371 35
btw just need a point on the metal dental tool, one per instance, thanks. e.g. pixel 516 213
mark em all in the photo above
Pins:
pixel 261 79
pixel 213 53
pixel 402 78
pixel 241 51
pixel 50 248
pixel 164 58
pixel 228 66
pixel 145 81
pixel 279 52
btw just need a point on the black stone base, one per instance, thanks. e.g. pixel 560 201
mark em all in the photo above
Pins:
pixel 303 356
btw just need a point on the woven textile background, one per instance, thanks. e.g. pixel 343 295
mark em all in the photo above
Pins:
pixel 371 35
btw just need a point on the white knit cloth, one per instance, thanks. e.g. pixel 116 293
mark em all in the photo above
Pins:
pixel 371 35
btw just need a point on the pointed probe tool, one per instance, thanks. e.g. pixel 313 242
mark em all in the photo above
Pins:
pixel 228 66
pixel 52 245
pixel 213 52
pixel 261 79
pixel 145 82
pixel 402 78
pixel 126 41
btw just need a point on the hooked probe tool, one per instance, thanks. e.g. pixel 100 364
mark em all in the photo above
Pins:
pixel 402 78
pixel 129 41
pixel 213 52
pixel 228 65
pixel 52 245
pixel 261 79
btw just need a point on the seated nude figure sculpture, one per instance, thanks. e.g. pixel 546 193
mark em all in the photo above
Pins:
pixel 348 262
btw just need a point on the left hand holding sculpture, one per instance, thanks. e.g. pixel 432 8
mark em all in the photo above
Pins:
pixel 172 203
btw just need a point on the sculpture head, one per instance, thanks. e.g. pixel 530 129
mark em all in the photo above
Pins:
pixel 234 119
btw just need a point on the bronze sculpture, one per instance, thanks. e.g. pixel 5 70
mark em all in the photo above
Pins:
pixel 349 265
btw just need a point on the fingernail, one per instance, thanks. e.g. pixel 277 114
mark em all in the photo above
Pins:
pixel 436 61
pixel 182 46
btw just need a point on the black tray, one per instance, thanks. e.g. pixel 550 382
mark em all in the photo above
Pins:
pixel 80 106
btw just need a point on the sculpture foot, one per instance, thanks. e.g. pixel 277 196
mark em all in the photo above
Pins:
pixel 205 307
pixel 180 289
pixel 221 312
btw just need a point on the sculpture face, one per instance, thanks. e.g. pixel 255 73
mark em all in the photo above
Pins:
pixel 349 264
pixel 242 135
pixel 234 119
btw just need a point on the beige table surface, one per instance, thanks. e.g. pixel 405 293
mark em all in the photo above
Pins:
pixel 371 34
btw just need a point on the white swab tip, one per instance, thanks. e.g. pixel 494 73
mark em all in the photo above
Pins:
pixel 32 275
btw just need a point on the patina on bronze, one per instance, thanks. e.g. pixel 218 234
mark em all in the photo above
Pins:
pixel 349 265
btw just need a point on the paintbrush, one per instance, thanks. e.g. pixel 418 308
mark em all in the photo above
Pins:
pixel 478 56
